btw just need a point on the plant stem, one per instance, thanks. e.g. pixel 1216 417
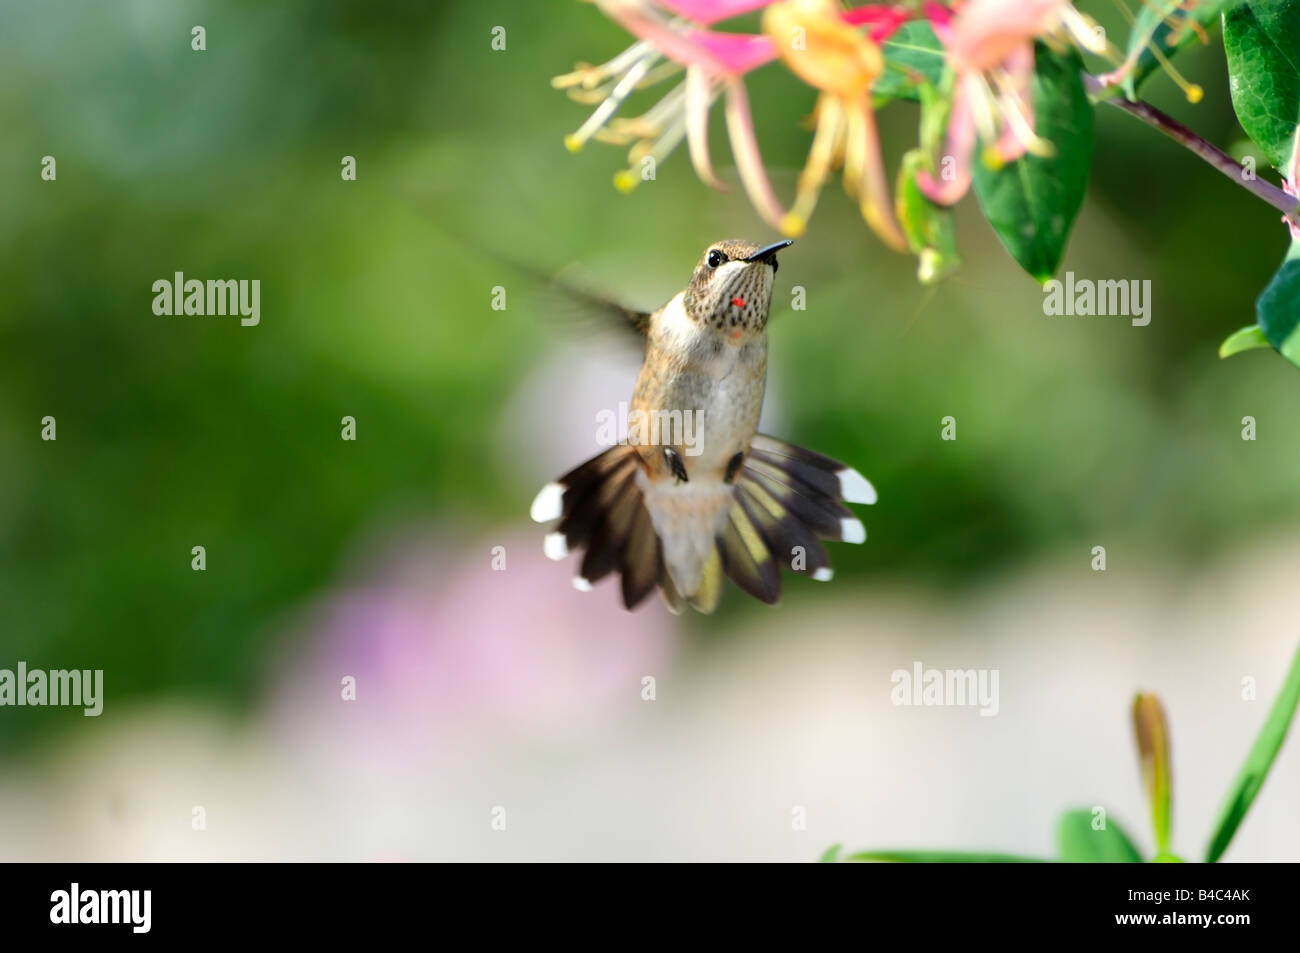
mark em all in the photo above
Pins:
pixel 1288 205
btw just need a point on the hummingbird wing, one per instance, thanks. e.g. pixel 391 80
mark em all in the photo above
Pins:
pixel 580 305
pixel 594 309
pixel 574 302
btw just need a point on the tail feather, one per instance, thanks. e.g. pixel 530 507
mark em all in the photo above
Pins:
pixel 608 531
pixel 791 541
pixel 822 514
pixel 786 500
pixel 672 598
pixel 641 559
pixel 796 497
pixel 747 557
pixel 588 491
pixel 600 508
pixel 708 592
pixel 811 469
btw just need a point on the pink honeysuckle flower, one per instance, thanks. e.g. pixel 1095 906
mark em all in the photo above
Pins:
pixel 715 64
pixel 831 55
pixel 882 20
pixel 708 12
pixel 990 47
pixel 672 36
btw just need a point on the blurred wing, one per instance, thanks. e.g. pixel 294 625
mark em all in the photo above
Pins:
pixel 592 309
pixel 569 300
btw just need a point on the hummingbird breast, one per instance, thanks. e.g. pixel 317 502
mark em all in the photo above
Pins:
pixel 706 390
pixel 710 379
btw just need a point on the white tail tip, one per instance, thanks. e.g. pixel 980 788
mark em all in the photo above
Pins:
pixel 555 546
pixel 855 488
pixel 852 531
pixel 548 504
pixel 582 585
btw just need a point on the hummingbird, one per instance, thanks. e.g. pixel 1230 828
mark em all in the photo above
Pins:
pixel 679 511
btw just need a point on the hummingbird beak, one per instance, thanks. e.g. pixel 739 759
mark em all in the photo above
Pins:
pixel 768 255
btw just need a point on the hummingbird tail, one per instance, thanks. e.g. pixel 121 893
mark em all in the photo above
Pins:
pixel 788 500
pixel 600 508
pixel 784 502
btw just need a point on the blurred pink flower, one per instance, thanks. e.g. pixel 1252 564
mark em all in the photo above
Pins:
pixel 990 46
pixel 823 47
pixel 444 649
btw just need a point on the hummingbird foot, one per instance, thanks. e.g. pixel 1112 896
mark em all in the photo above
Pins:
pixel 676 464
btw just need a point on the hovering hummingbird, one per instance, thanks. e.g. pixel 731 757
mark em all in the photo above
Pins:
pixel 680 514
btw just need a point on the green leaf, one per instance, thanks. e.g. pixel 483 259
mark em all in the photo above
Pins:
pixel 1152 731
pixel 1277 310
pixel 1242 793
pixel 1262 40
pixel 913 56
pixel 1031 203
pixel 1247 339
pixel 831 855
pixel 1171 28
pixel 943 857
pixel 1079 843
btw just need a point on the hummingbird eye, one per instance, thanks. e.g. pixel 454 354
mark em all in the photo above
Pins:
pixel 715 258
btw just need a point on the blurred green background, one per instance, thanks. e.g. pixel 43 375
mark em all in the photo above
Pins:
pixel 175 432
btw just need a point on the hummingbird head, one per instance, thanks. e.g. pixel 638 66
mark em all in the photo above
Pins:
pixel 731 287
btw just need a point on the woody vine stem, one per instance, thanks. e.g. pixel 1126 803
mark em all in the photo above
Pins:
pixel 1288 205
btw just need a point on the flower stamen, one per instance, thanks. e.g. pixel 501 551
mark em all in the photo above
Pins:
pixel 1192 91
pixel 635 73
pixel 827 145
pixel 630 178
pixel 589 76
